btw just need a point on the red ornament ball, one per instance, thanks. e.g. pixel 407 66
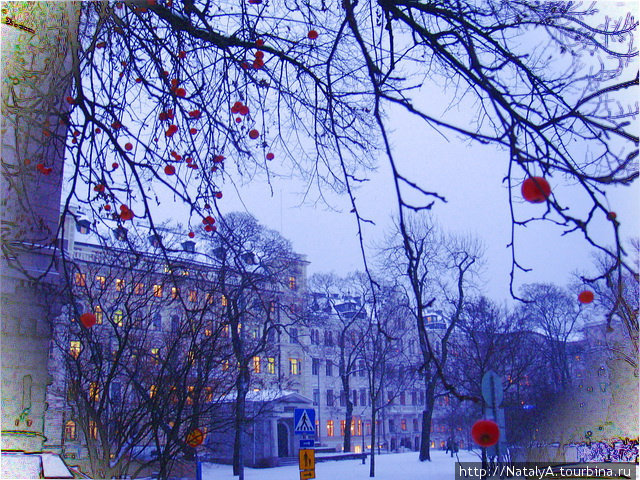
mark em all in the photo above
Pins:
pixel 208 228
pixel 98 130
pixel 171 130
pixel 194 113
pixel 191 234
pixel 181 92
pixel 170 170
pixel 70 100
pixel 193 131
pixel 312 34
pixel 611 216
pixel 182 54
pixel 253 134
pixel 128 146
pixel 138 80
pixel 259 54
pixel 259 42
pixel 270 156
pixel 116 125
pixel 99 188
pixel 535 189
pixel 586 296
pixel 88 319
pixel 126 214
pixel 485 433
pixel 114 165
pixel 258 63
pixel 243 110
pixel 218 194
pixel 107 207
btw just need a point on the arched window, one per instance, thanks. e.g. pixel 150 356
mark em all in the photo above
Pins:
pixel 70 430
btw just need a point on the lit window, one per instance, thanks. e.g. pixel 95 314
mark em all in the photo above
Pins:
pixel 272 306
pixel 208 394
pixel 225 331
pixel 119 284
pixel 157 290
pixel 256 364
pixel 81 279
pixel 174 292
pixel 94 392
pixel 225 365
pixel 359 427
pixel 99 314
pixel 70 430
pixel 224 301
pixel 117 318
pixel 74 348
pixel 271 365
pixel 152 391
pixel 294 366
pixel 101 280
pixel 139 289
pixel 155 355
pixel 93 429
pixel 208 330
pixel 403 424
pixel 189 393
pixel 185 273
pixel 193 296
pixel 330 432
pixel 342 427
pixel 190 357
pixel 209 298
pixel 167 269
pixel 292 283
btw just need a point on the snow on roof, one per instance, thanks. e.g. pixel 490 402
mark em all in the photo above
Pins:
pixel 54 467
pixel 270 395
pixel 21 465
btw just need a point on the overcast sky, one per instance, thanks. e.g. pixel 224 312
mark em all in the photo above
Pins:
pixel 469 176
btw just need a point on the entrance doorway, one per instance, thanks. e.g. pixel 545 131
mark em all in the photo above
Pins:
pixel 283 440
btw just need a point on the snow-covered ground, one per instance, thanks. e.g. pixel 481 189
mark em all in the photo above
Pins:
pixel 397 466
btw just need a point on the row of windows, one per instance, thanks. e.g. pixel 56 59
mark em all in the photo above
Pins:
pixel 80 279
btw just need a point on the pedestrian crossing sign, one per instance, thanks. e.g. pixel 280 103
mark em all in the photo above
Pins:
pixel 304 420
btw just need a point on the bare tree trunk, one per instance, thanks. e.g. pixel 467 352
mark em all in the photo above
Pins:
pixel 425 439
pixel 347 427
pixel 372 465
pixel 242 388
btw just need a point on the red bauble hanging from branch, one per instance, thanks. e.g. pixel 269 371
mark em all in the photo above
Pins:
pixel 535 189
pixel 485 433
pixel 586 296
pixel 88 319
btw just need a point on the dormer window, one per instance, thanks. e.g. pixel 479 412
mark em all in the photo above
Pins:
pixel 83 226
pixel 189 246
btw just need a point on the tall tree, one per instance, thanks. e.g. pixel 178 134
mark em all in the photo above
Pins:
pixel 555 312
pixel 138 353
pixel 260 280
pixel 433 268
pixel 349 320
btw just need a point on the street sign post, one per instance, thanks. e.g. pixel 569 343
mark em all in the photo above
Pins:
pixel 493 395
pixel 307 459
pixel 307 474
pixel 304 420
pixel 307 443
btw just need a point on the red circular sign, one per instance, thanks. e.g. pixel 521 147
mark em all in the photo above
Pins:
pixel 195 438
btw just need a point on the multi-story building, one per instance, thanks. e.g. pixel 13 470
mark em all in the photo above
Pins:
pixel 300 364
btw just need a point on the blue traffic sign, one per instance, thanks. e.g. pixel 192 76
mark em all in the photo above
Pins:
pixel 304 420
pixel 308 443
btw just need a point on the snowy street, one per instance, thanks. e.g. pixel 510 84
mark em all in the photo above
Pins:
pixel 398 466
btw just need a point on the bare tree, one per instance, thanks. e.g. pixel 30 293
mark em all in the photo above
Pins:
pixel 349 320
pixel 433 268
pixel 260 280
pixel 556 313
pixel 390 368
pixel 148 372
pixel 154 84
